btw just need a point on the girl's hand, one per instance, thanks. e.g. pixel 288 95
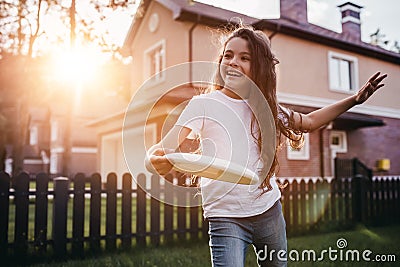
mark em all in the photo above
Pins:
pixel 159 162
pixel 373 84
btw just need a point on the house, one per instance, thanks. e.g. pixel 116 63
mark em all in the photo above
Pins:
pixel 317 67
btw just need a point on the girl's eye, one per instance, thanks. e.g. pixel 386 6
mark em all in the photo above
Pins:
pixel 245 58
pixel 227 55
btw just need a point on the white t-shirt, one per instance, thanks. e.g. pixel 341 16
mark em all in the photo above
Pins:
pixel 224 127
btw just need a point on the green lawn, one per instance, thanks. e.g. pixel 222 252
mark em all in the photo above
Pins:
pixel 379 240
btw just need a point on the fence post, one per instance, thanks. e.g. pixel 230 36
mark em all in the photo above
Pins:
pixel 295 194
pixel 303 227
pixel 21 185
pixel 359 200
pixel 126 211
pixel 78 214
pixel 194 216
pixel 41 210
pixel 286 204
pixel 4 207
pixel 60 210
pixel 141 210
pixel 111 212
pixel 181 198
pixel 168 208
pixel 155 210
pixel 95 211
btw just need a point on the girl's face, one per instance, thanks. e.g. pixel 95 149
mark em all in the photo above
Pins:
pixel 235 64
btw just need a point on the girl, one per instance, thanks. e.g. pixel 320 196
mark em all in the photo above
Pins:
pixel 240 215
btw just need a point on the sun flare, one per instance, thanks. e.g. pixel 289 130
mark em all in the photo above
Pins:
pixel 76 66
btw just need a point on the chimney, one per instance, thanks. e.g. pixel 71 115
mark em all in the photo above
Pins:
pixel 351 23
pixel 294 10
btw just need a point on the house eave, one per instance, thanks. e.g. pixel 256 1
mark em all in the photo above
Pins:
pixel 299 31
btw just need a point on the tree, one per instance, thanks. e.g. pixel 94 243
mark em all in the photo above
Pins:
pixel 379 39
pixel 24 42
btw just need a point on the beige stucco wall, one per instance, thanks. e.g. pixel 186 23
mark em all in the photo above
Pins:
pixel 303 69
pixel 174 33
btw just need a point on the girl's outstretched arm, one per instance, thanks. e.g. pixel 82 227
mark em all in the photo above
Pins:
pixel 323 116
pixel 155 161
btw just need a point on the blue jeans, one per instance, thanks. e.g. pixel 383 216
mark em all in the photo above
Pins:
pixel 231 237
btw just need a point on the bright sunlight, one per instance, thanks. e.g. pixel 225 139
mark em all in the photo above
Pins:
pixel 76 66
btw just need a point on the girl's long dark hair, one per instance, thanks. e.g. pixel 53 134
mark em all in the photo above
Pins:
pixel 262 68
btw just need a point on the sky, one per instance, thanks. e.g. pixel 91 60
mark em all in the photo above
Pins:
pixel 382 14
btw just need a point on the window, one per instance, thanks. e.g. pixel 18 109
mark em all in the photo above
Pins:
pixel 54 163
pixel 155 62
pixel 343 72
pixel 338 141
pixel 301 153
pixel 54 131
pixel 33 136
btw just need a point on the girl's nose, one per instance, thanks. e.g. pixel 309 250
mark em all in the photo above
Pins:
pixel 233 62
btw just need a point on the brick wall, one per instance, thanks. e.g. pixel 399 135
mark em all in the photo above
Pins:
pixel 368 144
pixel 373 143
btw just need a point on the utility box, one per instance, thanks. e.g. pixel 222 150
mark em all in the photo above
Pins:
pixel 383 164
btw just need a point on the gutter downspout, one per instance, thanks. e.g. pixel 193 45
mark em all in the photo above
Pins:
pixel 190 59
pixel 277 30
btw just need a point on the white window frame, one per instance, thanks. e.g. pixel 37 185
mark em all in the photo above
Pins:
pixel 334 85
pixel 149 53
pixel 54 160
pixel 33 135
pixel 342 137
pixel 54 131
pixel 302 153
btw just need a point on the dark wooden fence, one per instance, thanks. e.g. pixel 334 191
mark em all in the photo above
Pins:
pixel 70 217
pixel 322 206
pixel 82 214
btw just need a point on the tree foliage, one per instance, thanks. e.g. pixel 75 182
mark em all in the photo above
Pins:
pixel 29 29
pixel 25 23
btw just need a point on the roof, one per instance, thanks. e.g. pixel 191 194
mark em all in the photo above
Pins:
pixel 184 10
pixel 352 121
pixel 324 36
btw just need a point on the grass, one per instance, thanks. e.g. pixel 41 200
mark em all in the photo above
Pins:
pixel 380 240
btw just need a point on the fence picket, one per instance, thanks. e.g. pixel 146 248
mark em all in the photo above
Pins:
pixel 303 208
pixel 379 201
pixel 126 211
pixel 168 208
pixel 311 204
pixel 60 213
pixel 4 214
pixel 21 186
pixel 397 200
pixel 155 210
pixel 111 212
pixel 295 205
pixel 141 210
pixel 327 201
pixel 95 211
pixel 194 217
pixel 181 209
pixel 78 211
pixel 333 201
pixel 385 194
pixel 286 202
pixel 41 210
